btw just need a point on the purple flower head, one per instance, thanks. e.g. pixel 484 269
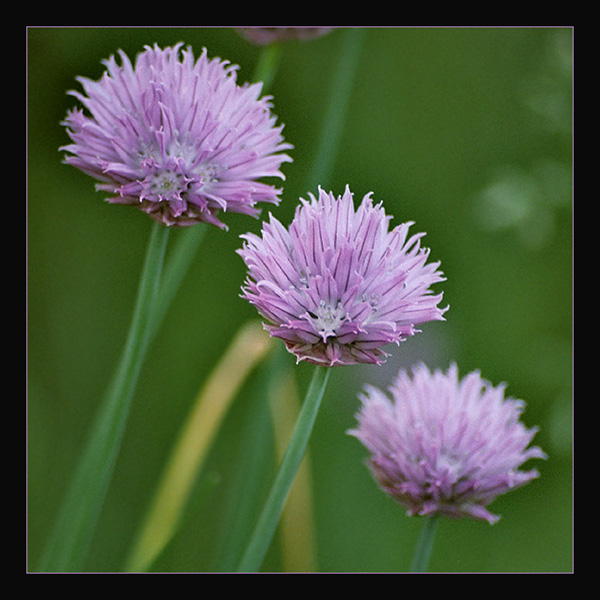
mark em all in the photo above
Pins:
pixel 338 284
pixel 445 446
pixel 177 137
pixel 263 36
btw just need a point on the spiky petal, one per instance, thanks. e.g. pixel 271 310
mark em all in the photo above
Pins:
pixel 177 137
pixel 338 285
pixel 442 445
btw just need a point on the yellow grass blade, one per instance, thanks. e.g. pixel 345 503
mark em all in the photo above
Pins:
pixel 248 348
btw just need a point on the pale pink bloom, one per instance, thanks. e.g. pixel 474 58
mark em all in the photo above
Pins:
pixel 338 285
pixel 441 445
pixel 176 137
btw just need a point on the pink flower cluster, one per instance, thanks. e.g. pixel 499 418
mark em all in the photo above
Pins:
pixel 176 137
pixel 339 284
pixel 442 445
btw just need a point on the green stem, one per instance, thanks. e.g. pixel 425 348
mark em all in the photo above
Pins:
pixel 265 529
pixel 267 65
pixel 424 545
pixel 339 101
pixel 70 540
pixel 351 45
pixel 182 254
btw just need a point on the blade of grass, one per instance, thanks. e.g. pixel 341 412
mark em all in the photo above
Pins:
pixel 247 349
pixel 335 116
pixel 152 541
pixel 69 542
pixel 67 547
pixel 297 535
pixel 204 491
pixel 263 533
pixel 267 65
pixel 343 80
pixel 251 473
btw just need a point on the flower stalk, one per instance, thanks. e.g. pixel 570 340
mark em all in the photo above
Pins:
pixel 68 545
pixel 425 544
pixel 265 529
pixel 446 445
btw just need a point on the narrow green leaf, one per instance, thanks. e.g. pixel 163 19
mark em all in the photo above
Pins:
pixel 265 529
pixel 68 545
pixel 248 348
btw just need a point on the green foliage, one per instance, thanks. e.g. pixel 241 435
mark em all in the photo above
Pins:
pixel 467 132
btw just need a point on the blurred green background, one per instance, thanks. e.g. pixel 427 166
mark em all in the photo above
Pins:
pixel 467 132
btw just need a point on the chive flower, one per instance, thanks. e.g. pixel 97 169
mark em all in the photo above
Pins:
pixel 338 285
pixel 177 137
pixel 445 446
pixel 263 36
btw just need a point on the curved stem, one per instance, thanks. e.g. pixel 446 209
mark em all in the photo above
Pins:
pixel 424 545
pixel 351 46
pixel 339 101
pixel 176 268
pixel 263 533
pixel 72 535
pixel 187 458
